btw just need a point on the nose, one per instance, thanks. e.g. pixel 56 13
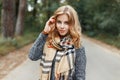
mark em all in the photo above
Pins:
pixel 62 25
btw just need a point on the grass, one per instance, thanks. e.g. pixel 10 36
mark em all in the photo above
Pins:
pixel 8 45
pixel 109 39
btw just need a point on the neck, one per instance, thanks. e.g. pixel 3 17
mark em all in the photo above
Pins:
pixel 64 35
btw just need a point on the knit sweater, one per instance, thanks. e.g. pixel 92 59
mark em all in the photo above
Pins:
pixel 36 52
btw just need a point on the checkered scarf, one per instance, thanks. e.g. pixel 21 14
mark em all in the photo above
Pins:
pixel 64 60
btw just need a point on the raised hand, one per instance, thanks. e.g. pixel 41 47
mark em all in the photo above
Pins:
pixel 50 25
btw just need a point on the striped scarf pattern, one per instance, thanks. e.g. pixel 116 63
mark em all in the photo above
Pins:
pixel 64 61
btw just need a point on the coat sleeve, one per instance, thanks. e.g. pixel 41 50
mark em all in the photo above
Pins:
pixel 80 64
pixel 37 48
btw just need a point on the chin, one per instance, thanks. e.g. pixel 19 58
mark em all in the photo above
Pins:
pixel 62 34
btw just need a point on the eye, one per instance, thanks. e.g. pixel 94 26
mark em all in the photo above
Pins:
pixel 66 22
pixel 59 22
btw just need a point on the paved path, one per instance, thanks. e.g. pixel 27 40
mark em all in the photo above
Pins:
pixel 102 64
pixel 29 70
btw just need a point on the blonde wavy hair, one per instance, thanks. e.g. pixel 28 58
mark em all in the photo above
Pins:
pixel 75 28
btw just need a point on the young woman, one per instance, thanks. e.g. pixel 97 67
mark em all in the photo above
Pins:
pixel 59 47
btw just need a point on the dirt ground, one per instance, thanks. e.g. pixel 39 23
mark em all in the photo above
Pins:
pixel 12 60
pixel 15 58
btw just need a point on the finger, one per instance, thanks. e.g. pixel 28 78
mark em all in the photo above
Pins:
pixel 52 19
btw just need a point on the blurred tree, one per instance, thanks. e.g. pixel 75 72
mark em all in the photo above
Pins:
pixel 35 8
pixel 8 18
pixel 0 14
pixel 20 18
pixel 98 16
pixel 49 6
pixel 16 8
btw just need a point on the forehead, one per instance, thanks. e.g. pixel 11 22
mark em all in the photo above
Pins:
pixel 62 17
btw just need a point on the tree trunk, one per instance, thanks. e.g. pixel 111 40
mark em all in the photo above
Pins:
pixel 16 8
pixel 20 18
pixel 34 10
pixel 8 18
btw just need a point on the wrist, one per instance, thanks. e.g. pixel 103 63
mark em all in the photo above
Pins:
pixel 44 32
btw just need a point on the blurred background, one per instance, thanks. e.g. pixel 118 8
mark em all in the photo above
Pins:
pixel 22 20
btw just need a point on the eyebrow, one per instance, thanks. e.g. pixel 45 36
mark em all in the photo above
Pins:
pixel 64 21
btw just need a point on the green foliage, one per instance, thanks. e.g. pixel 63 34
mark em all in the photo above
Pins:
pixel 99 16
pixel 112 40
pixel 0 14
pixel 110 26
pixel 32 24
pixel 8 45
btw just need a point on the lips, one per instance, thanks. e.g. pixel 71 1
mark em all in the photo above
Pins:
pixel 62 31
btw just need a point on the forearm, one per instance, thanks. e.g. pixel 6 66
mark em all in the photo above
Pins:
pixel 37 48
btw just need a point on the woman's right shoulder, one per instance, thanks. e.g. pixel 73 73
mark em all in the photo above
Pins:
pixel 43 35
pixel 37 48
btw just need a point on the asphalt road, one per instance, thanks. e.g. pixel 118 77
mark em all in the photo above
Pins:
pixel 102 64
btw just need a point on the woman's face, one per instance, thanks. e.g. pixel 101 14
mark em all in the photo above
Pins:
pixel 62 24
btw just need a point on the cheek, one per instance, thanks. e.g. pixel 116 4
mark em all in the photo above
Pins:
pixel 67 28
pixel 57 25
